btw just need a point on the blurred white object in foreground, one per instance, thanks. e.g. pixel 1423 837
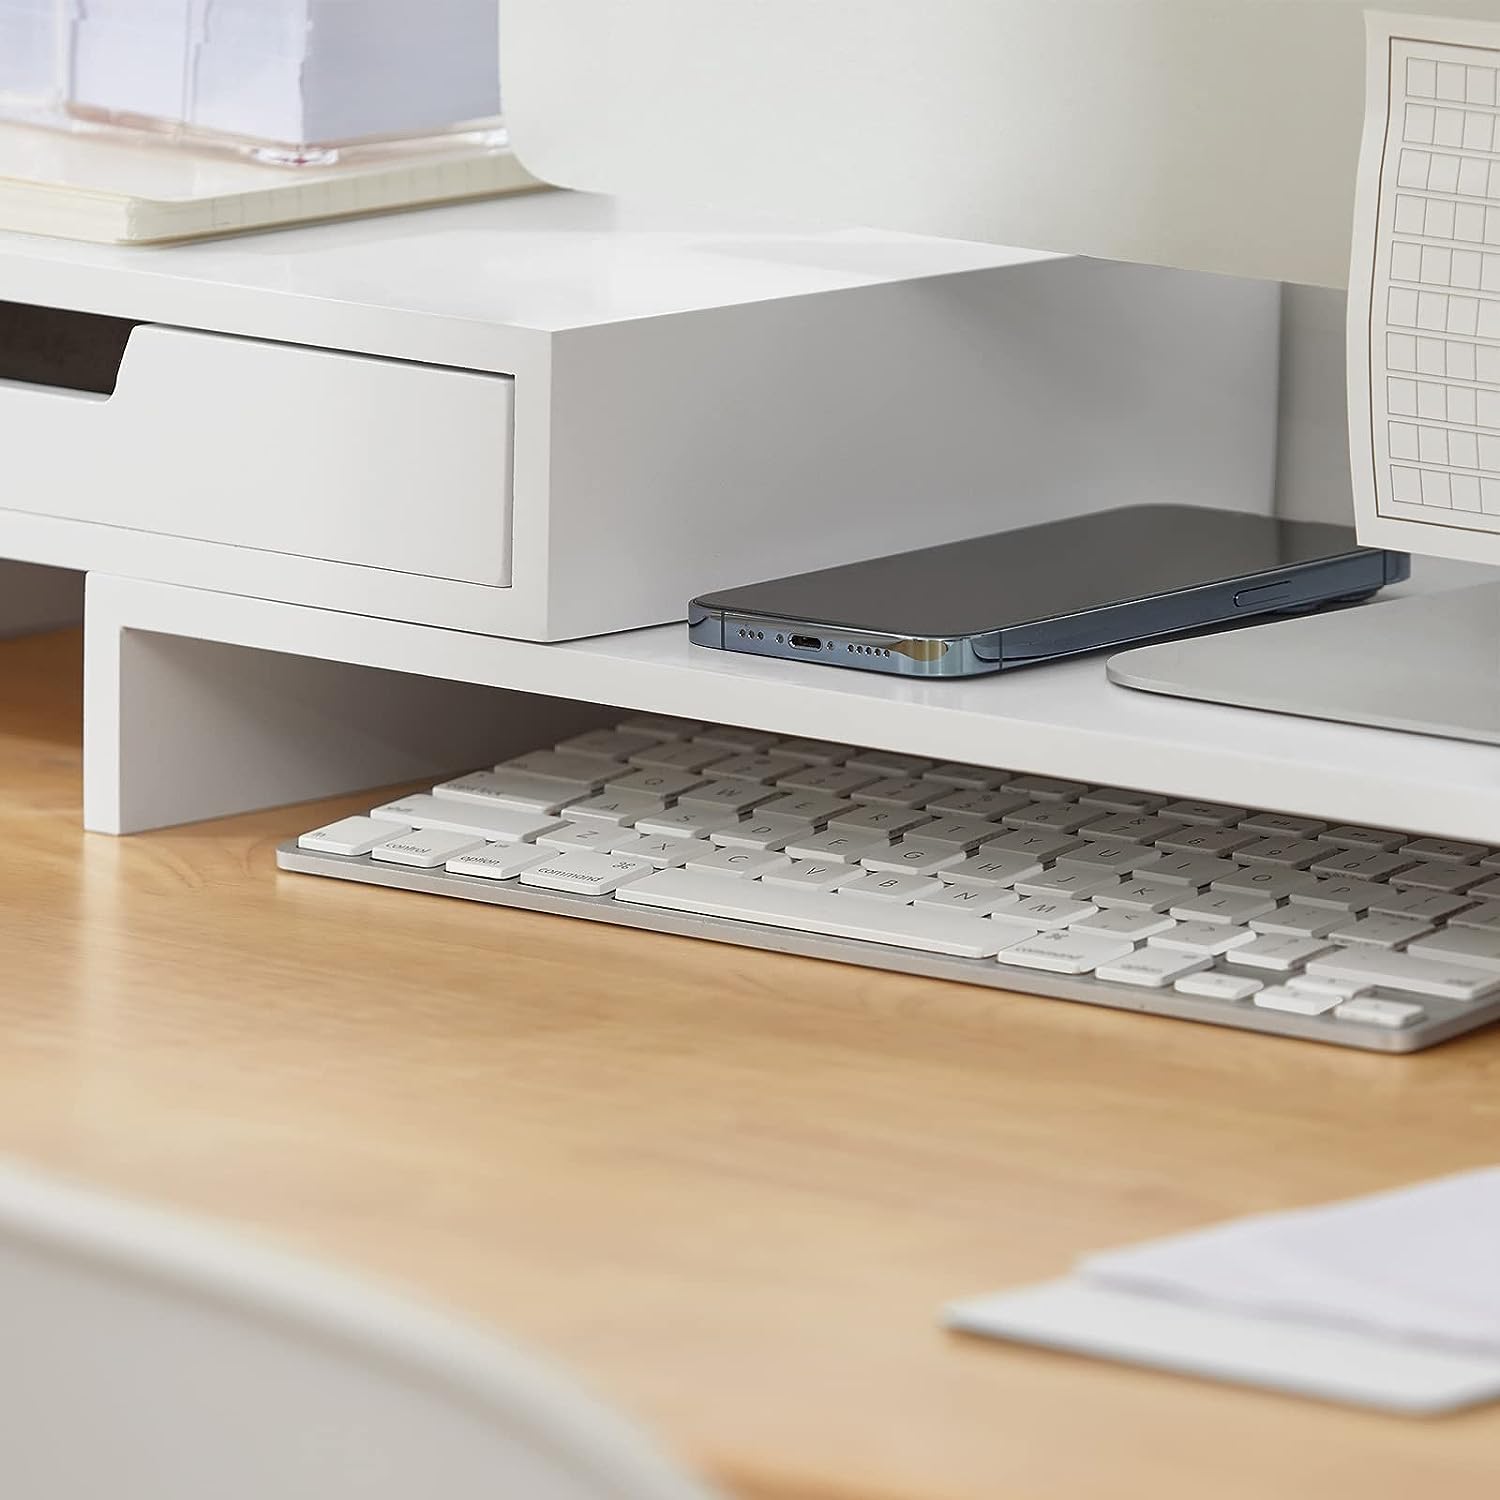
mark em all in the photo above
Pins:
pixel 148 1356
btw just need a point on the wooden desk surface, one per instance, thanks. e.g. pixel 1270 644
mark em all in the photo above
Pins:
pixel 730 1189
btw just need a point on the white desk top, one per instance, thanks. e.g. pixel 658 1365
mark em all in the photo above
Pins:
pixel 541 263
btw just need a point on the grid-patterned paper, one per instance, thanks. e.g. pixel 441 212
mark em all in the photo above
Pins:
pixel 1435 290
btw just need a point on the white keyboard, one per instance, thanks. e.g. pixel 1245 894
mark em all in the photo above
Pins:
pixel 1368 937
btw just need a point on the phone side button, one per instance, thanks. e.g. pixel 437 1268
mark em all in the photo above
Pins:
pixel 1267 596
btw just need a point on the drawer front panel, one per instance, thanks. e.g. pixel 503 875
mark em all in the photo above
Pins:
pixel 280 448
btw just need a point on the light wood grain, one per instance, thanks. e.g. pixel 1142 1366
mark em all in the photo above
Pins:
pixel 730 1189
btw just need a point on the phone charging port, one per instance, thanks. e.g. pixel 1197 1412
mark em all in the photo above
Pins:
pixel 807 643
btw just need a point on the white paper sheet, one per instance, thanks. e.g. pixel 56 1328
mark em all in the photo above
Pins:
pixel 1421 1264
pixel 1424 284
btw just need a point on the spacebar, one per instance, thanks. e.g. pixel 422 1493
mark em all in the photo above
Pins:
pixel 817 911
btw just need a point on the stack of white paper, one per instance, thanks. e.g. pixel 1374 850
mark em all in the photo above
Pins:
pixel 28 50
pixel 299 72
pixel 1390 1301
pixel 1420 1264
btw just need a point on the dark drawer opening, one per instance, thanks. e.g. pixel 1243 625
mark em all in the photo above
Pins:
pixel 71 351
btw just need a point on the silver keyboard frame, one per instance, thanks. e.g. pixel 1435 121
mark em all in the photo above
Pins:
pixel 1445 1019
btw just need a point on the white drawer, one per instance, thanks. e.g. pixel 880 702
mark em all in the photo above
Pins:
pixel 380 463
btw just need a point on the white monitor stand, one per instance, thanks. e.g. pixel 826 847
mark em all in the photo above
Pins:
pixel 1423 384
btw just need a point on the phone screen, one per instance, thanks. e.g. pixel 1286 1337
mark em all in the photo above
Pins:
pixel 1060 568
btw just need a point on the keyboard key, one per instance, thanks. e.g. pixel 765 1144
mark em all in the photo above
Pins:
pixel 763 768
pixel 683 822
pixel 1392 1015
pixel 1196 838
pixel 587 874
pixel 1282 825
pixel 580 836
pixel 898 791
pixel 664 784
pixel 1194 870
pixel 1272 881
pixel 497 825
pixel 915 859
pixel 1122 800
pixel 1447 849
pixel 676 755
pixel 557 765
pixel 660 853
pixel 497 861
pixel 1135 925
pixel 890 763
pixel 425 848
pixel 1485 915
pixel 810 807
pixel 1060 883
pixel 1297 920
pixel 1102 856
pixel 1352 836
pixel 1362 864
pixel 1046 788
pixel 1279 955
pixel 1127 827
pixel 761 832
pixel 846 848
pixel 620 809
pixel 1380 931
pixel 808 874
pixel 886 886
pixel 1214 984
pixel 1285 853
pixel 732 737
pixel 1471 946
pixel 1215 814
pixel 975 778
pixel 1207 938
pixel 513 789
pixel 1148 968
pixel 736 797
pixel 836 781
pixel 1488 891
pixel 1352 896
pixel 834 914
pixel 352 836
pixel 1044 915
pixel 954 832
pixel 1064 952
pixel 975 804
pixel 1441 979
pixel 977 900
pixel 1227 907
pixel 1340 989
pixel 659 727
pixel 890 821
pixel 1445 876
pixel 1031 842
pixel 1049 817
pixel 991 867
pixel 816 752
pixel 1140 895
pixel 603 744
pixel 1294 1002
pixel 743 864
pixel 1429 906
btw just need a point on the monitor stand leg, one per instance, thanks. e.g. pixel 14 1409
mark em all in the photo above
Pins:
pixel 1426 663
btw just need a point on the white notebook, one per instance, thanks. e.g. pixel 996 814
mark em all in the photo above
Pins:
pixel 1390 1301
pixel 115 190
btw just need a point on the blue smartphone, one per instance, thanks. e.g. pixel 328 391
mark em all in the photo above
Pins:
pixel 1016 598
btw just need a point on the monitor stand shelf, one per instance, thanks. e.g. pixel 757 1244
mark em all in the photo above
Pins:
pixel 201 704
